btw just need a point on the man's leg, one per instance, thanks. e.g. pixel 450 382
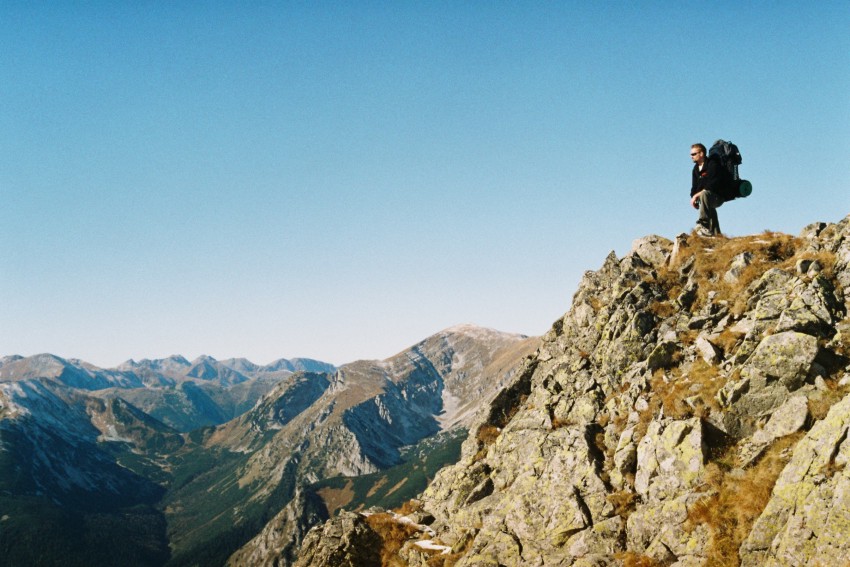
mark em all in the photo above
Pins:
pixel 708 203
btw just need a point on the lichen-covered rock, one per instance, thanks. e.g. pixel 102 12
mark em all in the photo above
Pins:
pixel 788 419
pixel 784 357
pixel 662 356
pixel 669 458
pixel 670 467
pixel 653 249
pixel 739 263
pixel 809 513
pixel 346 541
pixel 707 350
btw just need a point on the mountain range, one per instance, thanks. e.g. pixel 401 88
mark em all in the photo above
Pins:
pixel 171 462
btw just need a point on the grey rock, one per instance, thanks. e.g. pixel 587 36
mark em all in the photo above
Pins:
pixel 680 251
pixel 789 418
pixel 812 231
pixel 814 269
pixel 708 352
pixel 786 357
pixel 346 541
pixel 587 461
pixel 662 356
pixel 654 250
pixel 808 515
pixel 732 391
pixel 670 458
pixel 739 263
pixel 802 266
pixel 280 539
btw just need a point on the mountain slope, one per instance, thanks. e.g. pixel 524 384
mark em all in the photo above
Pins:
pixel 690 409
pixel 78 478
pixel 355 421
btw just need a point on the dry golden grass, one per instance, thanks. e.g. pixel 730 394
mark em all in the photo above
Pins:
pixel 713 258
pixel 739 500
pixel 632 559
pixel 397 485
pixel 409 507
pixel 448 560
pixel 623 501
pixel 381 482
pixel 819 404
pixel 683 392
pixel 393 536
pixel 595 303
pixel 825 258
pixel 663 309
pixel 486 436
pixel 729 340
pixel 669 273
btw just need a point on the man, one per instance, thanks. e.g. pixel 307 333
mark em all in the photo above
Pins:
pixel 705 191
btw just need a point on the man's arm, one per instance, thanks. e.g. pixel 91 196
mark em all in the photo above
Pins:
pixel 696 191
pixel 695 199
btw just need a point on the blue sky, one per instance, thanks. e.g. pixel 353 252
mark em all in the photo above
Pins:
pixel 339 180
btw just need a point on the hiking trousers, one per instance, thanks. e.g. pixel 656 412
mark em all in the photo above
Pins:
pixel 708 204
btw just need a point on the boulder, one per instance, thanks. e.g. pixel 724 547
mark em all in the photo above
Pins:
pixel 789 418
pixel 654 250
pixel 346 541
pixel 708 352
pixel 663 355
pixel 784 357
pixel 669 458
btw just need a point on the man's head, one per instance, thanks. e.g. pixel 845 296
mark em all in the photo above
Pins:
pixel 698 153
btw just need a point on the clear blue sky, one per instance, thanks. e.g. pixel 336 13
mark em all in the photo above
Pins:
pixel 339 180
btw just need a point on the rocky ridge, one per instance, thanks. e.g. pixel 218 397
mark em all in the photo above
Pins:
pixel 691 408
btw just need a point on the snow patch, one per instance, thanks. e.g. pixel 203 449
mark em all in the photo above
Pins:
pixel 429 545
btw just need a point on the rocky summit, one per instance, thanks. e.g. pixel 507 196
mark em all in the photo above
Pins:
pixel 691 408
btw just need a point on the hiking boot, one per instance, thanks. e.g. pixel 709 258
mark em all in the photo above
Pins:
pixel 703 231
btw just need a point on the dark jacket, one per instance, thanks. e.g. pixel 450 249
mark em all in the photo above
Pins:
pixel 709 178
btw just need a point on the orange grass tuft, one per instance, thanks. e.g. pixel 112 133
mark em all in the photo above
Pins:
pixel 738 501
pixel 393 536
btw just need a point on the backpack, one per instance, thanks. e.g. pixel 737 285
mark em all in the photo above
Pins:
pixel 732 186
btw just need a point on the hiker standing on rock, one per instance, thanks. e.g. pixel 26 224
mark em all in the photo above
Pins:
pixel 705 191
